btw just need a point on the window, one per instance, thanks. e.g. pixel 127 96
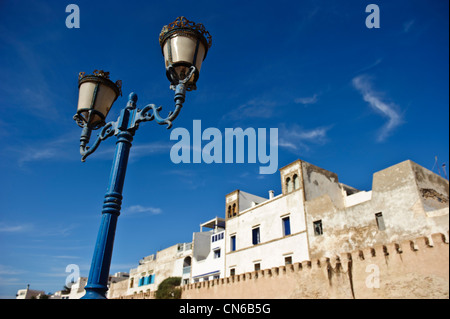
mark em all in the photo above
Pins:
pixel 318 230
pixel 131 282
pixel 187 265
pixel 380 221
pixel 187 262
pixel 286 226
pixel 255 236
pixel 288 260
pixel 150 279
pixel 233 242
pixel 234 209
pixel 296 182
pixel 229 211
pixel 288 185
pixel 232 271
pixel 217 237
pixel 217 253
pixel 257 266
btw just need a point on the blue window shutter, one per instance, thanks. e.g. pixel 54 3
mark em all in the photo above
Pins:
pixel 255 235
pixel 287 226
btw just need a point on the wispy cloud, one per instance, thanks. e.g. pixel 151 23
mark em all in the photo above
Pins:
pixel 182 173
pixel 296 138
pixel 9 276
pixel 254 108
pixel 307 100
pixel 62 147
pixel 408 25
pixel 150 148
pixel 8 270
pixel 37 231
pixel 370 66
pixel 67 257
pixel 17 228
pixel 190 178
pixel 139 209
pixel 56 231
pixel 31 154
pixel 388 110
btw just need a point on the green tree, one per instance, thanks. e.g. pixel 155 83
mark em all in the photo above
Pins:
pixel 169 288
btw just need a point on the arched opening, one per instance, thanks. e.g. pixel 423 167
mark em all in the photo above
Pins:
pixel 187 265
pixel 187 261
pixel 229 211
pixel 234 209
pixel 296 182
pixel 289 185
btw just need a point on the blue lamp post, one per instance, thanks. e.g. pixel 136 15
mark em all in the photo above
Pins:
pixel 184 45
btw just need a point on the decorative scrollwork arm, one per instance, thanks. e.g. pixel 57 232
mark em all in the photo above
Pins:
pixel 107 131
pixel 180 94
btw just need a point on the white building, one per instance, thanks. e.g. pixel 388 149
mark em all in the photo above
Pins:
pixel 29 293
pixel 208 258
pixel 264 233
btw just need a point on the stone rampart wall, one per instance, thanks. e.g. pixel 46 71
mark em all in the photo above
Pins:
pixel 411 269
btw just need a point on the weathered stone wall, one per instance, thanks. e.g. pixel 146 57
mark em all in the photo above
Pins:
pixel 138 295
pixel 412 200
pixel 162 266
pixel 118 289
pixel 411 269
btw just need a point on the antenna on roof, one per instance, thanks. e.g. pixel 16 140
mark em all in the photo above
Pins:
pixel 445 173
pixel 436 164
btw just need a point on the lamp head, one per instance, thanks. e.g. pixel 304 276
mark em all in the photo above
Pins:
pixel 184 44
pixel 96 95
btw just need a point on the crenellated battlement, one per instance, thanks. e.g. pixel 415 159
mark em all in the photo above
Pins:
pixel 416 268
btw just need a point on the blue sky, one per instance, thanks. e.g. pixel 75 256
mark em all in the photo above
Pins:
pixel 344 97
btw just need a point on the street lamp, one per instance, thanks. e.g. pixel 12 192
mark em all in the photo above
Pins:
pixel 184 45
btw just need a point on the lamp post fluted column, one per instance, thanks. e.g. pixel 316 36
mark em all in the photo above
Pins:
pixel 98 275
